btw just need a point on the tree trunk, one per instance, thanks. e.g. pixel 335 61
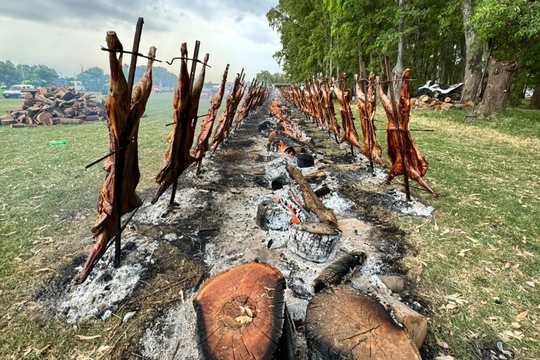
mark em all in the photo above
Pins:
pixel 499 80
pixel 535 100
pixel 241 314
pixel 398 69
pixel 343 324
pixel 473 55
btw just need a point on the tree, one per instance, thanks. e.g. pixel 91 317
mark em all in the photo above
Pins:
pixel 9 75
pixel 93 79
pixel 473 54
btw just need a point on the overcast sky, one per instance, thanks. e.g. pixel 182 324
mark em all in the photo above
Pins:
pixel 68 34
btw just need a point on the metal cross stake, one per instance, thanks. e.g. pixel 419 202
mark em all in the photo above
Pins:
pixel 396 124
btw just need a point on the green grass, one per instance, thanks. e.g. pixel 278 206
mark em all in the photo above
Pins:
pixel 47 207
pixel 484 240
pixel 486 172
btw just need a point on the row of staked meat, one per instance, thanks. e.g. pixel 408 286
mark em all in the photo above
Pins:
pixel 123 116
pixel 315 100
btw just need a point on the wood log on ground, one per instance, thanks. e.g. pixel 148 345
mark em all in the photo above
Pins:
pixel 91 118
pixel 8 121
pixel 313 203
pixel 241 314
pixel 69 121
pixel 18 125
pixel 44 118
pixel 393 283
pixel 315 176
pixel 448 100
pixel 315 242
pixel 334 273
pixel 415 324
pixel 344 324
pixel 425 98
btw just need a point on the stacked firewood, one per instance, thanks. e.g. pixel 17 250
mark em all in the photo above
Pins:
pixel 426 102
pixel 51 107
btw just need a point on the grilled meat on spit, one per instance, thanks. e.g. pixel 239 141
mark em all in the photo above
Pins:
pixel 372 149
pixel 343 96
pixel 206 130
pixel 329 107
pixel 185 105
pixel 226 118
pixel 123 116
pixel 415 164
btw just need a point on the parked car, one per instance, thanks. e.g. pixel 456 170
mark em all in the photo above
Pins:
pixel 15 91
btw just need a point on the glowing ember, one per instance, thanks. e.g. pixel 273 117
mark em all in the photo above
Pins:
pixel 295 219
pixel 286 129
pixel 282 146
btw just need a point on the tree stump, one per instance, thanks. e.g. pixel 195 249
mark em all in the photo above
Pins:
pixel 343 324
pixel 241 314
pixel 315 242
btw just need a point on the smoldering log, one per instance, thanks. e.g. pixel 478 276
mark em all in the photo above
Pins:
pixel 313 203
pixel 315 242
pixel 334 273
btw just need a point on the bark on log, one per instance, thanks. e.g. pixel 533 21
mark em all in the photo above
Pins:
pixel 44 118
pixel 315 242
pixel 535 99
pixel 68 121
pixel 415 324
pixel 18 125
pixel 334 273
pixel 343 324
pixel 241 314
pixel 313 203
pixel 315 176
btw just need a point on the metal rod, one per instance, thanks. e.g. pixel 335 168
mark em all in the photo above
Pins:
pixel 198 116
pixel 183 58
pixel 129 52
pixel 120 156
pixel 396 124
pixel 426 130
pixel 106 156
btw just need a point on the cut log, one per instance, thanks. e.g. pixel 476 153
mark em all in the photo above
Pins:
pixel 18 125
pixel 313 203
pixel 415 324
pixel 91 118
pixel 333 273
pixel 44 117
pixel 343 324
pixel 448 100
pixel 241 314
pixel 394 283
pixel 68 121
pixel 315 176
pixel 425 98
pixel 272 216
pixel 8 121
pixel 315 242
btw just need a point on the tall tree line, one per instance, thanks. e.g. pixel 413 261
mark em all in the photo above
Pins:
pixel 447 41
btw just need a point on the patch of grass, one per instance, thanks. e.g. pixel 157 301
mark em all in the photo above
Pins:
pixel 484 240
pixel 47 207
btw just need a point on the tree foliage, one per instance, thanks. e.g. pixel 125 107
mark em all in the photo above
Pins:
pixel 93 79
pixel 38 75
pixel 324 36
pixel 269 78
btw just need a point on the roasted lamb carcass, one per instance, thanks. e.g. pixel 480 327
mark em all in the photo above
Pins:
pixel 329 107
pixel 412 161
pixel 206 130
pixel 123 116
pixel 181 137
pixel 343 96
pixel 372 149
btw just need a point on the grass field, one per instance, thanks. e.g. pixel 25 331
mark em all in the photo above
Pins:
pixel 480 251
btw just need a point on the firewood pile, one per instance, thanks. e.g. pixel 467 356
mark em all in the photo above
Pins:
pixel 55 106
pixel 426 102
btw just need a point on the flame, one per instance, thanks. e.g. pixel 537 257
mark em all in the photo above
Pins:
pixel 295 219
pixel 286 129
pixel 282 146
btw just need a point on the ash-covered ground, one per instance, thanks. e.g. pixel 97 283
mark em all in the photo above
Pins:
pixel 213 224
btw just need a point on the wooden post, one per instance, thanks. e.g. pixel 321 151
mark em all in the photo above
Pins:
pixel 241 314
pixel 120 156
pixel 396 123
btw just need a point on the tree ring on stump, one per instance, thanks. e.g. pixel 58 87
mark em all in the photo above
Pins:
pixel 241 312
